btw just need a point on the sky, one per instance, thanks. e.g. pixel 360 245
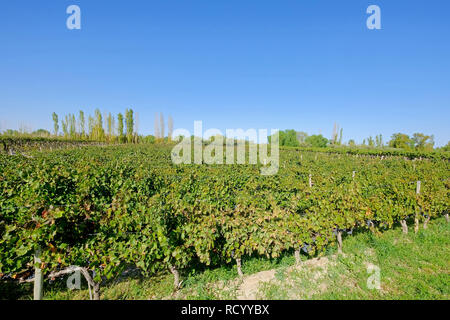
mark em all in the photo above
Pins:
pixel 300 65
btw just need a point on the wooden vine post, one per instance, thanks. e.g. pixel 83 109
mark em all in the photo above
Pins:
pixel 339 240
pixel 416 219
pixel 176 277
pixel 239 270
pixel 38 289
pixel 298 261
pixel 404 226
pixel 310 181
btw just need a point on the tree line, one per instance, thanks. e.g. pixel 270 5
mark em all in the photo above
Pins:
pixel 106 127
pixel 416 142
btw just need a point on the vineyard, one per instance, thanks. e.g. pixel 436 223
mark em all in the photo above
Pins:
pixel 108 210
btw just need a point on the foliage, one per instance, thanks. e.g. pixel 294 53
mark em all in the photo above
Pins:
pixel 317 141
pixel 110 208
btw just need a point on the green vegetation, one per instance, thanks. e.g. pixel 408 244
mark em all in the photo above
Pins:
pixel 100 128
pixel 111 209
pixel 412 266
pixel 419 142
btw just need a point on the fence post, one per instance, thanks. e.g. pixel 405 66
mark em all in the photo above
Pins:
pixel 339 240
pixel 298 260
pixel 38 277
pixel 416 219
pixel 310 180
pixel 239 270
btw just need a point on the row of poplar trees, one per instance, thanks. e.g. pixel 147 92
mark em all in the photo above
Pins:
pixel 109 129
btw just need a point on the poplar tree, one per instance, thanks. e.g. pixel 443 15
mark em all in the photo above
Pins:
pixel 99 132
pixel 109 126
pixel 170 127
pixel 157 131
pixel 91 127
pixel 120 127
pixel 161 120
pixel 81 122
pixel 64 124
pixel 55 123
pixel 129 122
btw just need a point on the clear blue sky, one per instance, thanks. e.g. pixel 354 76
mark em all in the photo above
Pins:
pixel 231 63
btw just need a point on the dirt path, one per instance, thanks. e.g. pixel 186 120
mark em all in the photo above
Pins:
pixel 250 285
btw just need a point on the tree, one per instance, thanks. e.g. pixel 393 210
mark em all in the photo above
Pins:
pixel 41 133
pixel 287 138
pixel 170 127
pixel 371 141
pixel 91 127
pixel 113 127
pixel 82 124
pixel 64 125
pixel 161 121
pixel 149 139
pixel 99 133
pixel 109 126
pixel 72 126
pixel 130 123
pixel 351 143
pixel 136 127
pixel 379 141
pixel 334 137
pixel 301 137
pixel 290 138
pixel 156 125
pixel 340 136
pixel 401 141
pixel 55 123
pixel 120 127
pixel 423 142
pixel 317 141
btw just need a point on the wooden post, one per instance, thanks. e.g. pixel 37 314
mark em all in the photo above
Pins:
pixel 176 275
pixel 239 270
pixel 339 240
pixel 38 278
pixel 310 180
pixel 404 226
pixel 353 174
pixel 416 220
pixel 297 257
pixel 425 223
pixel 416 224
pixel 446 217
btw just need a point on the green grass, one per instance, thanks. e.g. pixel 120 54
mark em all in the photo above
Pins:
pixel 412 266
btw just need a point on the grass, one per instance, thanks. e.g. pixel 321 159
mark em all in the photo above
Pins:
pixel 412 266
